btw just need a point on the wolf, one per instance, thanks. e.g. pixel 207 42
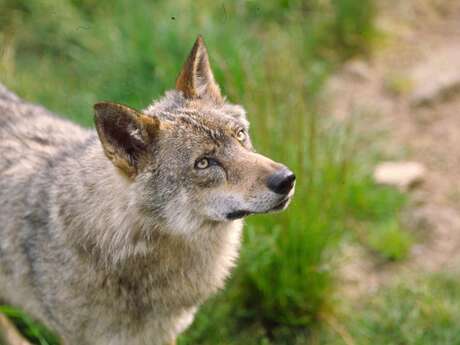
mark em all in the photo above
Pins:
pixel 117 235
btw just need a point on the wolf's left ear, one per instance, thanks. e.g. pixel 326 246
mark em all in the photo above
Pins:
pixel 125 134
pixel 196 79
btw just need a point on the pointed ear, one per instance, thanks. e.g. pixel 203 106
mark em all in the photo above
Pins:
pixel 196 79
pixel 125 134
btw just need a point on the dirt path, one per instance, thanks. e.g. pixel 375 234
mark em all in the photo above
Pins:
pixel 411 89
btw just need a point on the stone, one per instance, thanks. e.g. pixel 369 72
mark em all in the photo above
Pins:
pixel 403 175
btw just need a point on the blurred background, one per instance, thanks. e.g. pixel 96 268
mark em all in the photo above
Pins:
pixel 358 97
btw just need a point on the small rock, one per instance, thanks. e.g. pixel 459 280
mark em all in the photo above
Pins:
pixel 437 77
pixel 402 175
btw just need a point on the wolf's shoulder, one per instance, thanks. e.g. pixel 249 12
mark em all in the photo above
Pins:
pixel 31 135
pixel 6 94
pixel 28 121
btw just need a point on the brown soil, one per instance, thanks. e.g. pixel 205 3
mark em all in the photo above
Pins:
pixel 417 34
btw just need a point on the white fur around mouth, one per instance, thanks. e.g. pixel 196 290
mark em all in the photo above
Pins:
pixel 244 213
pixel 282 205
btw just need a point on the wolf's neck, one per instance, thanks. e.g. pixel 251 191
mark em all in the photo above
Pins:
pixel 95 205
pixel 99 211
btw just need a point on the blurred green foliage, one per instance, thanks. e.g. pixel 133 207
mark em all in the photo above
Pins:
pixel 390 241
pixel 419 310
pixel 371 210
pixel 273 57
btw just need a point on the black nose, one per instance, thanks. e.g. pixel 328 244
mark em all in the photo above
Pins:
pixel 281 182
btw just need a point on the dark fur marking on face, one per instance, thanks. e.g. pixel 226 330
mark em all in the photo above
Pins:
pixel 238 214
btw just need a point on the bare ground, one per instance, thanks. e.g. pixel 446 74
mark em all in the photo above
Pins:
pixel 406 89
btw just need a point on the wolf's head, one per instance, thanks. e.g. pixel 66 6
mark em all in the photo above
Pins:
pixel 189 155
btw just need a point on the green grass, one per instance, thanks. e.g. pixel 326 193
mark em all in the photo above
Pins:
pixel 414 311
pixel 371 211
pixel 272 57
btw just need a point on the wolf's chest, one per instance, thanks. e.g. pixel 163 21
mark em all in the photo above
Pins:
pixel 177 280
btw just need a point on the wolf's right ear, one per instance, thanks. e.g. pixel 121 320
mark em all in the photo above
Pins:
pixel 125 134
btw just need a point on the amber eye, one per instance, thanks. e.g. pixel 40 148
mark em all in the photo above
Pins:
pixel 241 135
pixel 202 163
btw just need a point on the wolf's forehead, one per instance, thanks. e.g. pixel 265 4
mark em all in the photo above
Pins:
pixel 213 126
pixel 197 116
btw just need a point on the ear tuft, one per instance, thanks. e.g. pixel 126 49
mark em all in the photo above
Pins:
pixel 125 134
pixel 196 79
